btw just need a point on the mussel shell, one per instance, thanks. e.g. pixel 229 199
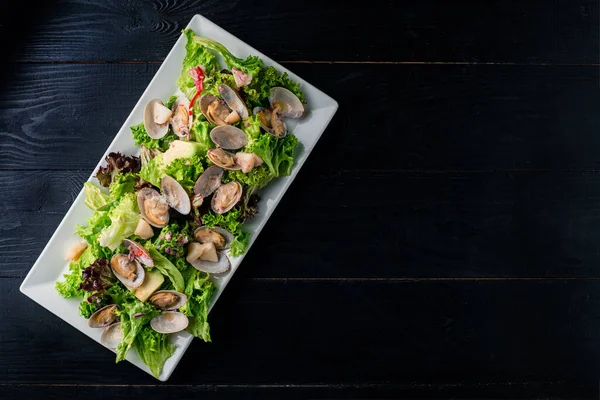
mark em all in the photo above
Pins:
pixel 175 195
pixel 209 181
pixel 269 128
pixel 141 254
pixel 212 156
pixel 140 273
pixel 290 105
pixel 112 336
pixel 169 322
pixel 154 130
pixel 154 300
pixel 228 137
pixel 219 203
pixel 233 100
pixel 147 193
pixel 228 236
pixel 103 317
pixel 221 266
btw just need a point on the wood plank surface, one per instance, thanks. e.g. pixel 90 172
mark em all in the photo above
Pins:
pixel 443 224
pixel 340 332
pixel 532 31
pixel 512 390
pixel 426 117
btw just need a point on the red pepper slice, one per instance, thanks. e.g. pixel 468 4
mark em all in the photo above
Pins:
pixel 198 75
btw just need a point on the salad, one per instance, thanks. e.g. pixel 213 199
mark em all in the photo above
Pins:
pixel 167 220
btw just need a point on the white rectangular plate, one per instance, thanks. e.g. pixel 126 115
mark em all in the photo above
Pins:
pixel 49 267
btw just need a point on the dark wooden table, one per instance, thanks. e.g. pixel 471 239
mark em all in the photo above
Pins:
pixel 462 259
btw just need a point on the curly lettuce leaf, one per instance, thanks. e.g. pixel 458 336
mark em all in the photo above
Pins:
pixel 94 197
pixel 153 171
pixel 257 93
pixel 239 244
pixel 134 315
pixel 166 267
pixel 186 171
pixel 200 133
pixel 124 218
pixel 199 291
pixel 212 82
pixel 195 55
pixel 141 138
pixel 153 348
pixel 284 155
pixel 123 184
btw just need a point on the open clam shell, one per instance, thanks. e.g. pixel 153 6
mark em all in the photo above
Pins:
pixel 129 272
pixel 228 137
pixel 233 100
pixel 221 266
pixel 153 207
pixel 271 122
pixel 214 109
pixel 288 103
pixel 222 238
pixel 112 336
pixel 103 317
pixel 140 252
pixel 169 322
pixel 168 299
pixel 175 195
pixel 180 121
pixel 209 181
pixel 223 159
pixel 226 196
pixel 156 119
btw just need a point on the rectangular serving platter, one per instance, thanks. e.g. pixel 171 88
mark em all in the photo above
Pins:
pixel 39 284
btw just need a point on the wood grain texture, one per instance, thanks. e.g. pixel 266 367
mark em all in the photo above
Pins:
pixel 443 224
pixel 512 390
pixel 534 31
pixel 347 333
pixel 426 117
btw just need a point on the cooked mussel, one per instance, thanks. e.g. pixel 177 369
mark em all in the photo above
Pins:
pixel 153 207
pixel 226 196
pixel 103 317
pixel 220 237
pixel 129 272
pixel 168 299
pixel 223 159
pixel 180 121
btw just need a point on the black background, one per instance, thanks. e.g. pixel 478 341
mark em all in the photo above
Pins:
pixel 440 241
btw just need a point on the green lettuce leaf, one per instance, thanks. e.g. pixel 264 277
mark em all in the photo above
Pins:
pixel 153 348
pixel 239 244
pixel 141 138
pixel 166 267
pixel 195 55
pixel 186 171
pixel 153 171
pixel 257 92
pixel 250 65
pixel 131 325
pixel 69 287
pixel 199 291
pixel 124 218
pixel 94 197
pixel 283 159
pixel 123 183
pixel 200 133
pixel 211 82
